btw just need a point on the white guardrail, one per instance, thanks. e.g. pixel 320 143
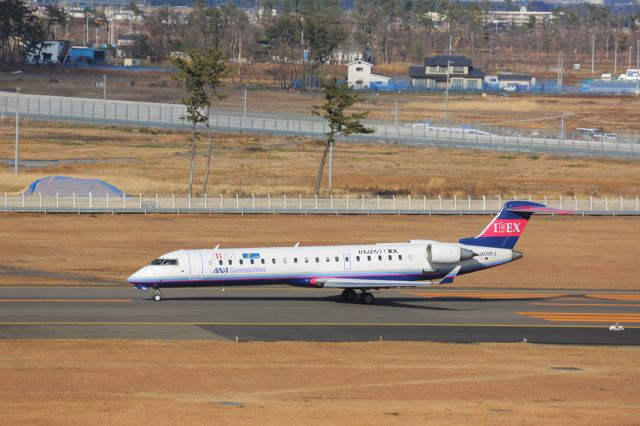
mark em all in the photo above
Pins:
pixel 170 116
pixel 300 205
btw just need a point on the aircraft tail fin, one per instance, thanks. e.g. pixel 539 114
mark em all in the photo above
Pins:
pixel 505 229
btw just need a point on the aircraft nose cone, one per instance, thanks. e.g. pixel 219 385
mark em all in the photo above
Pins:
pixel 515 255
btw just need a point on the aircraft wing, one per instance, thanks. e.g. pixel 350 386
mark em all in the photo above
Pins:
pixel 368 284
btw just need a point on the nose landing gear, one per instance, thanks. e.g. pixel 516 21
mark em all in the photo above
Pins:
pixel 157 295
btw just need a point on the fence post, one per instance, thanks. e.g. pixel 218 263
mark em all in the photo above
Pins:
pixel 253 201
pixel 621 204
pixel 362 201
pixel 331 203
pixel 6 200
pixel 469 196
pixel 300 195
pixel 561 201
pixel 591 202
pixel 455 202
pixel 424 202
pixel 347 202
pixel 606 203
pixel 173 201
pixel 124 200
pixel 500 201
pixel 545 200
pixel 576 202
pixel 107 200
pixel 57 201
pixel 440 201
pixel 394 201
pixel 221 201
pixel 316 196
pixel 90 200
pixel 284 197
pixel 378 197
pixel 157 201
pixel 140 200
pixel 637 204
pixel 484 203
pixel 74 199
pixel 269 197
pixel 409 198
pixel 205 201
pixel 237 202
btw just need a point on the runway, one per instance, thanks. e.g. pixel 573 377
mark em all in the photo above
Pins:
pixel 285 313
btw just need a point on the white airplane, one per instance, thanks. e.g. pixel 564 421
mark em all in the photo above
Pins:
pixel 352 268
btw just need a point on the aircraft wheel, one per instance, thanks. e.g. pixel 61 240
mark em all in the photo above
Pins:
pixel 367 298
pixel 157 296
pixel 349 295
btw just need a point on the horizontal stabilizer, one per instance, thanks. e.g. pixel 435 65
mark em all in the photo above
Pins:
pixel 367 284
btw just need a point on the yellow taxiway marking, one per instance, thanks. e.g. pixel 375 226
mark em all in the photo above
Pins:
pixel 584 316
pixel 613 305
pixel 65 300
pixel 292 324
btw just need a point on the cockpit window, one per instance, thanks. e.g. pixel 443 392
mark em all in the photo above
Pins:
pixel 165 262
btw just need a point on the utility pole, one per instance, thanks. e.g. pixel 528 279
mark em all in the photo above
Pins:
pixel 15 168
pixel 104 88
pixel 637 54
pixel 593 51
pixel 562 128
pixel 330 165
pixel 446 96
pixel 244 102
pixel 615 57
pixel 559 83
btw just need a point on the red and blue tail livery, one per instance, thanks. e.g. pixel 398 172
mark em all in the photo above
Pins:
pixel 505 229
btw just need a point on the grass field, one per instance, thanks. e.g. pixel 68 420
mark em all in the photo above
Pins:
pixel 149 161
pixel 186 382
pixel 560 252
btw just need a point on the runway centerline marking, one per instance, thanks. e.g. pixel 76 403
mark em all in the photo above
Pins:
pixel 613 305
pixel 66 300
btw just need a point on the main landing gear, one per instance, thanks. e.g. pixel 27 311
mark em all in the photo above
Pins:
pixel 157 295
pixel 350 295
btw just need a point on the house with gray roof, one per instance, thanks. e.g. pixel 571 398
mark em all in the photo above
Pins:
pixel 437 71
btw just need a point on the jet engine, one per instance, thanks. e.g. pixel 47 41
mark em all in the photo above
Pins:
pixel 447 253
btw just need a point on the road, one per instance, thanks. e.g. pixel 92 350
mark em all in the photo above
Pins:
pixel 286 313
pixel 114 112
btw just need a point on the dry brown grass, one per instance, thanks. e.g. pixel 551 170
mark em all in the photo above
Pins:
pixel 572 252
pixel 151 382
pixel 156 161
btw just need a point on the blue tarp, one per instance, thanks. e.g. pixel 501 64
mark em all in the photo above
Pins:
pixel 67 186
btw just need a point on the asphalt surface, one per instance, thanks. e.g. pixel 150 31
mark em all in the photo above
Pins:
pixel 287 313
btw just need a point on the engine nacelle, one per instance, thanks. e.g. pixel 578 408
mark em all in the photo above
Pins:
pixel 447 253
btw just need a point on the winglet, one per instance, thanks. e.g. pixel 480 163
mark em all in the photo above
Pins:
pixel 450 276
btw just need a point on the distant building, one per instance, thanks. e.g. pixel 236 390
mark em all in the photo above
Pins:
pixel 51 52
pixel 510 82
pixel 87 55
pixel 361 77
pixel 125 45
pixel 517 18
pixel 437 70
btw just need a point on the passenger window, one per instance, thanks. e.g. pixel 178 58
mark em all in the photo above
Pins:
pixel 317 259
pixel 157 262
pixel 328 259
pixel 230 262
pixel 284 260
pixel 306 260
pixel 273 260
pixel 369 258
pixel 251 261
pixel 399 257
pixel 337 259
pixel 379 257
pixel 295 260
pixel 390 257
pixel 358 258
pixel 262 261
pixel 220 262
pixel 240 261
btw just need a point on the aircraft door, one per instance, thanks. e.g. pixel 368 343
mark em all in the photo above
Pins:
pixel 195 264
pixel 347 261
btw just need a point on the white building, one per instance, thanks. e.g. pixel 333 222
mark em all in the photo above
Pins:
pixel 361 77
pixel 517 18
pixel 51 52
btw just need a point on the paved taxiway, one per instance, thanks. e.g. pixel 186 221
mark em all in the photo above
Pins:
pixel 287 313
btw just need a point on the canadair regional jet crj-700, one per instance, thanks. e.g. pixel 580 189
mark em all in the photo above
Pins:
pixel 352 268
